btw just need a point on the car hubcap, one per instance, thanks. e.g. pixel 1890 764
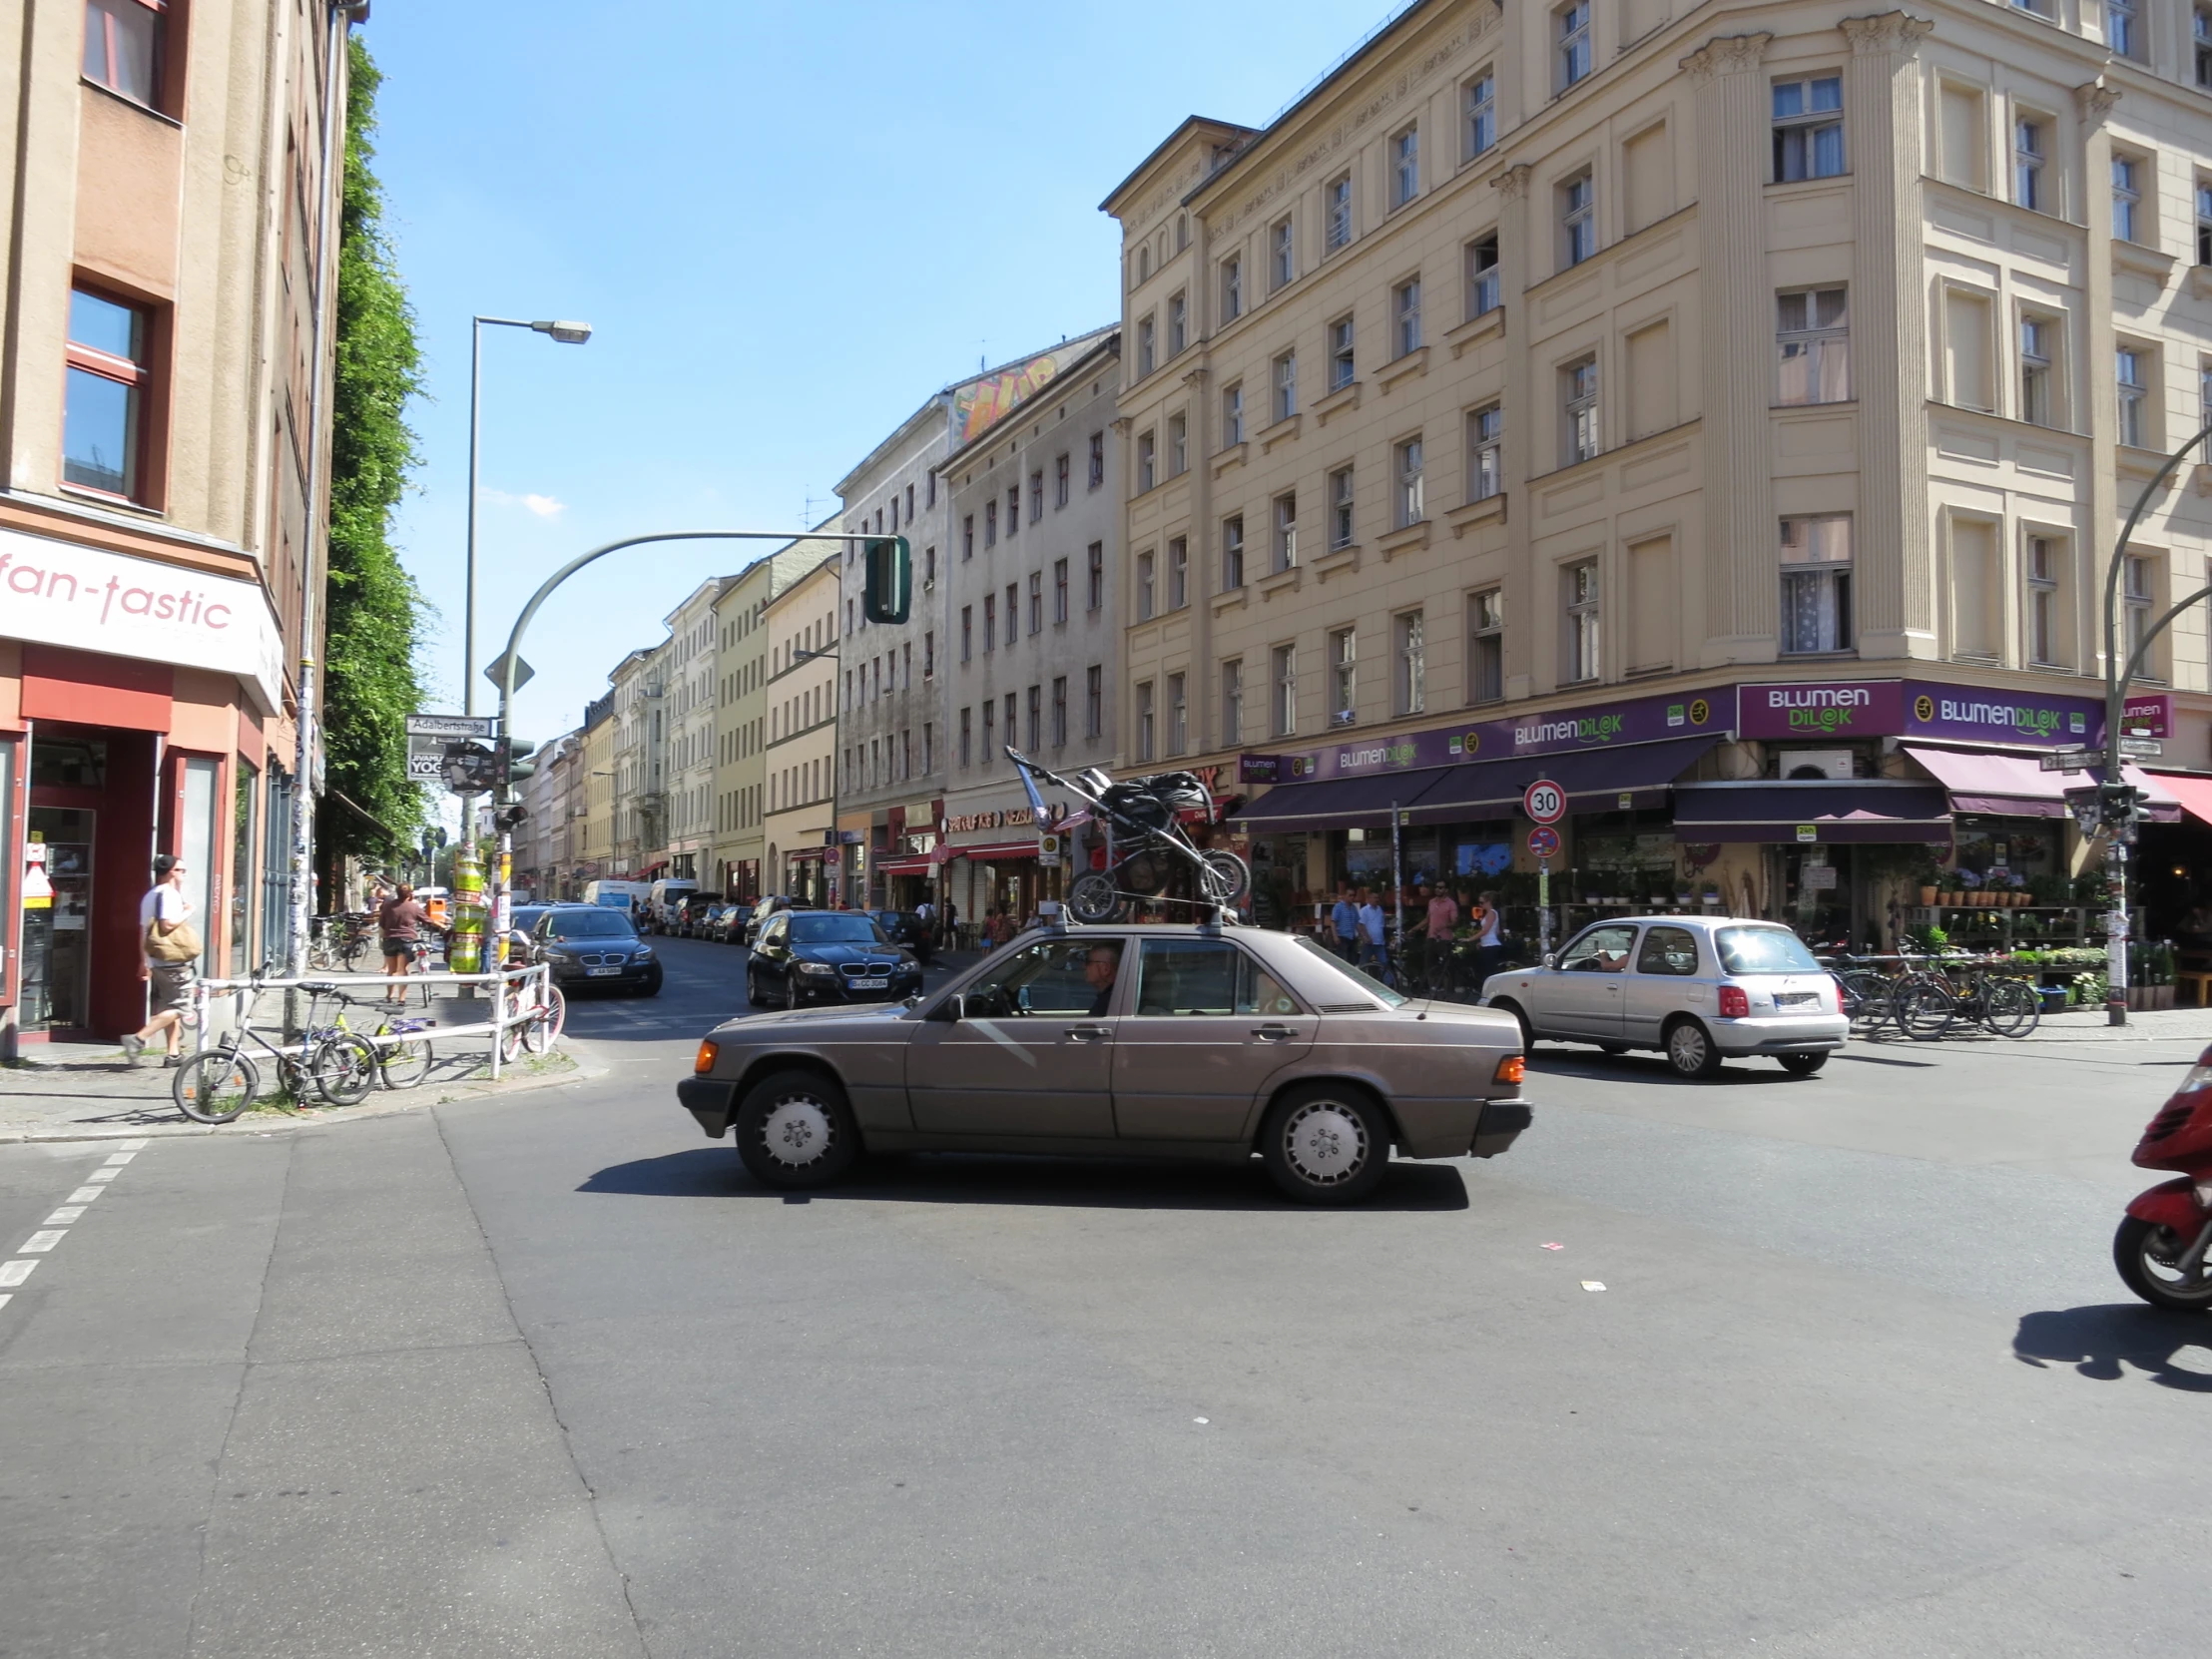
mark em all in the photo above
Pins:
pixel 1325 1141
pixel 1689 1047
pixel 798 1131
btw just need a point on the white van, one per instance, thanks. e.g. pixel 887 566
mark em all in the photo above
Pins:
pixel 660 902
pixel 616 895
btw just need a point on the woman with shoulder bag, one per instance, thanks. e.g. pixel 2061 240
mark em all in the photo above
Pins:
pixel 169 946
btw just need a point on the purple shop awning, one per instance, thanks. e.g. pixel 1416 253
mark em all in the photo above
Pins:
pixel 1836 811
pixel 1594 779
pixel 1335 802
pixel 2016 786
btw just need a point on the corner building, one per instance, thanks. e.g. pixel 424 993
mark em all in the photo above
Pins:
pixel 1725 411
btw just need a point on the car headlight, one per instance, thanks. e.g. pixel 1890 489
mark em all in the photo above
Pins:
pixel 645 953
pixel 820 970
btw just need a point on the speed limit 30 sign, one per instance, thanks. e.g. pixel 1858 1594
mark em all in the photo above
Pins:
pixel 1544 801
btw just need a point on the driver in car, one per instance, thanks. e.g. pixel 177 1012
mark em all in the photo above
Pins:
pixel 1099 968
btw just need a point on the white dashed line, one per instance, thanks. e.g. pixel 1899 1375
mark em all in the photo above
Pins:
pixel 120 1158
pixel 58 1224
pixel 132 1146
pixel 103 1175
pixel 63 1216
pixel 38 1244
pixel 14 1273
pixel 84 1195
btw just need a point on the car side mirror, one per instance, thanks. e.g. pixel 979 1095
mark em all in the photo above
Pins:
pixel 1551 959
pixel 951 1011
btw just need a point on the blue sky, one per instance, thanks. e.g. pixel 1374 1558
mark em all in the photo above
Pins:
pixel 786 223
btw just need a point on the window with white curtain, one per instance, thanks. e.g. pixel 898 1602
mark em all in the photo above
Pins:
pixel 1816 584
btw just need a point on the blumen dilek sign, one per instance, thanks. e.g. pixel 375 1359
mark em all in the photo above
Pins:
pixel 1844 709
pixel 1600 726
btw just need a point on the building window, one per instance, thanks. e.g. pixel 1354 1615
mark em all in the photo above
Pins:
pixel 1571 27
pixel 1486 646
pixel 1146 749
pixel 1481 107
pixel 2038 343
pixel 1482 285
pixel 1147 345
pixel 103 412
pixel 1036 600
pixel 1036 718
pixel 1060 711
pixel 991 731
pixel 1094 700
pixel 967 536
pixel 1808 128
pixel 1340 508
pixel 930 567
pixel 967 746
pixel 1409 665
pixel 1099 460
pixel 929 656
pixel 1813 338
pixel 1232 703
pixel 1232 290
pixel 2201 29
pixel 1409 500
pixel 1283 690
pixel 1285 530
pixel 1577 219
pixel 1179 573
pixel 1580 659
pixel 1014 612
pixel 1179 459
pixel 1339 197
pixel 1816 584
pixel 1578 388
pixel 1286 386
pixel 122 47
pixel 928 499
pixel 2134 388
pixel 2123 28
pixel 1282 255
pixel 1179 324
pixel 2138 588
pixel 1145 607
pixel 1407 312
pixel 1179 716
pixel 2127 199
pixel 1232 553
pixel 1096 592
pixel 1145 462
pixel 991 622
pixel 1344 677
pixel 1341 359
pixel 1062 482
pixel 1036 495
pixel 2029 148
pixel 2043 646
pixel 1059 590
pixel 1485 452
pixel 1232 415
pixel 1404 167
pixel 991 522
pixel 1013 512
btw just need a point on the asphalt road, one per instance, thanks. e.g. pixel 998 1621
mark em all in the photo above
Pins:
pixel 549 1376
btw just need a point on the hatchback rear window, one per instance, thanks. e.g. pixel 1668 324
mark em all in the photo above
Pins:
pixel 1762 950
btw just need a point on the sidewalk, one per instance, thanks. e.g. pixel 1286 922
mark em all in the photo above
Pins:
pixel 86 1091
pixel 2088 1025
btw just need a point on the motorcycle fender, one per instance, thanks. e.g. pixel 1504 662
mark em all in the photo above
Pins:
pixel 2171 1204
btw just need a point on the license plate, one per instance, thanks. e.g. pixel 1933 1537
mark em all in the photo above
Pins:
pixel 1795 999
pixel 601 974
pixel 870 984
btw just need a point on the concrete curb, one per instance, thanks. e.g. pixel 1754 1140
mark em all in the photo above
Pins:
pixel 383 1104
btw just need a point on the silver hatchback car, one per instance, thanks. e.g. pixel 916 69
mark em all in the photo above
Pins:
pixel 1700 989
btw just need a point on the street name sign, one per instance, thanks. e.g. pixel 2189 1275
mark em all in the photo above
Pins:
pixel 452 726
pixel 2142 748
pixel 2071 759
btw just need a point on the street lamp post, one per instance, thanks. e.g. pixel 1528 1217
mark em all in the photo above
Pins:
pixel 2117 810
pixel 567 334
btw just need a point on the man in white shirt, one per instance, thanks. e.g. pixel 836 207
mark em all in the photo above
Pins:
pixel 168 907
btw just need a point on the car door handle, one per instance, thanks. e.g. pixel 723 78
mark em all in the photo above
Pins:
pixel 1274 1033
pixel 1086 1033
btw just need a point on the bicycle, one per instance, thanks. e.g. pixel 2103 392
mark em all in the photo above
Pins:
pixel 532 1021
pixel 218 1084
pixel 2001 1004
pixel 404 1057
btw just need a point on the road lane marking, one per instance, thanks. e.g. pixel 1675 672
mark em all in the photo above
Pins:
pixel 132 1146
pixel 103 1175
pixel 120 1158
pixel 63 1216
pixel 57 1225
pixel 84 1195
pixel 14 1273
pixel 38 1244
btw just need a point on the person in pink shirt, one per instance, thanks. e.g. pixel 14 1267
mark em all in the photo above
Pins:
pixel 1442 920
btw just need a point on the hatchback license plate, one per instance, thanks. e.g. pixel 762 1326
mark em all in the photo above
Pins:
pixel 601 974
pixel 1795 999
pixel 871 985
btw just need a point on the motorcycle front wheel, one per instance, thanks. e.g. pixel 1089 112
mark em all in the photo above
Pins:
pixel 1093 899
pixel 2145 1253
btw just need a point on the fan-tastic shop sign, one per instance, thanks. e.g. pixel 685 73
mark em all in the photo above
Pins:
pixel 1565 732
pixel 1914 709
pixel 58 592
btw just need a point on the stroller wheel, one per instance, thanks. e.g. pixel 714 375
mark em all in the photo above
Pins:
pixel 1094 899
pixel 1227 878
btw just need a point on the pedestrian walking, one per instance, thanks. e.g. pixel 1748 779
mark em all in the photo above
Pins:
pixel 1374 953
pixel 1000 929
pixel 1344 923
pixel 400 920
pixel 1490 942
pixel 169 949
pixel 1442 920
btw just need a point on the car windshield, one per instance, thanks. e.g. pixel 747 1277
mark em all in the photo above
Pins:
pixel 1762 950
pixel 1370 987
pixel 590 924
pixel 833 929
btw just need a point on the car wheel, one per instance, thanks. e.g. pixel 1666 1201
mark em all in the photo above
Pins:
pixel 1324 1143
pixel 1528 1032
pixel 791 991
pixel 1691 1049
pixel 753 990
pixel 651 986
pixel 1803 1065
pixel 795 1132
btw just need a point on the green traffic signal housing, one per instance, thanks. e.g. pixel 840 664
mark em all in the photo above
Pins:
pixel 889 565
pixel 515 762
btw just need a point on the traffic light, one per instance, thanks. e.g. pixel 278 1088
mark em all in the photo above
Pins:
pixel 509 818
pixel 890 566
pixel 2120 808
pixel 515 764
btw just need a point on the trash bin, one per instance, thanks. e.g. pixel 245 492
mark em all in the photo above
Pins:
pixel 2053 998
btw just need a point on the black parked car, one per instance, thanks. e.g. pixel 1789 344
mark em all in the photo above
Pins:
pixel 589 944
pixel 693 910
pixel 828 956
pixel 731 929
pixel 907 929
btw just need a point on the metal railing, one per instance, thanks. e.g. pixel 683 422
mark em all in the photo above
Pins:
pixel 513 995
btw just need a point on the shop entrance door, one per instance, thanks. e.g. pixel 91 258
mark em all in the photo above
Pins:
pixel 92 808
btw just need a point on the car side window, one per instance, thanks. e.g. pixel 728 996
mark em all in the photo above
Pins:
pixel 1668 950
pixel 1185 977
pixel 1600 951
pixel 1051 978
pixel 773 932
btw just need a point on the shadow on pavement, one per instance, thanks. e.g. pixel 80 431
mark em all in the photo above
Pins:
pixel 1651 1069
pixel 979 1178
pixel 2094 1342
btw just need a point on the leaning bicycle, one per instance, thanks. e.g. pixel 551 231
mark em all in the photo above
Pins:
pixel 1999 1003
pixel 220 1083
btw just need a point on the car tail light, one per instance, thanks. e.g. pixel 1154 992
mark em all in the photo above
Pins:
pixel 1511 1069
pixel 705 1062
pixel 1735 1002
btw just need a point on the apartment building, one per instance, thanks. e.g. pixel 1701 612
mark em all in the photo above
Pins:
pixel 799 758
pixel 1033 578
pixel 164 426
pixel 595 794
pixel 1727 410
pixel 741 720
pixel 692 654
pixel 639 687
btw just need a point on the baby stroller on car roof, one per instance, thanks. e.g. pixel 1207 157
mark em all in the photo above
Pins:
pixel 1145 840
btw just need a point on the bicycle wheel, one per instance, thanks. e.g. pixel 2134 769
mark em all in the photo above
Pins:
pixel 1866 998
pixel 1925 1009
pixel 2012 1008
pixel 214 1085
pixel 342 1069
pixel 544 1026
pixel 405 1063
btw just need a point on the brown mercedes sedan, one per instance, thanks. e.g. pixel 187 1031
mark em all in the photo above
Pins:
pixel 1152 1041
